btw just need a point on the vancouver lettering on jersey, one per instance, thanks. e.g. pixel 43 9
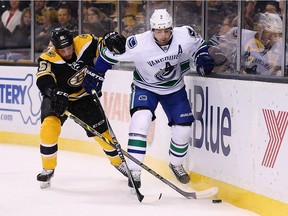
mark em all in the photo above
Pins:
pixel 166 58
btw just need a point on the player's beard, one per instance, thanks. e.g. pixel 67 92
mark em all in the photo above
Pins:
pixel 70 59
pixel 163 41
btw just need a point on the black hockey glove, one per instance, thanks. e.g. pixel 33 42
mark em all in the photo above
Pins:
pixel 59 100
pixel 115 42
pixel 93 80
pixel 204 62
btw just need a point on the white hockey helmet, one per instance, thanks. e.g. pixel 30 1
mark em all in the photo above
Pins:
pixel 269 22
pixel 160 19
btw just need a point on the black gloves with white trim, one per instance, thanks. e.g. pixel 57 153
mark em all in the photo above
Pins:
pixel 115 42
pixel 59 100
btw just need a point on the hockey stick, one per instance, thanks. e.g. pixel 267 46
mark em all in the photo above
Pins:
pixel 189 195
pixel 116 145
pixel 141 198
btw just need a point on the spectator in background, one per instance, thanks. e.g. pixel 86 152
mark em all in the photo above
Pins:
pixel 216 42
pixel 226 26
pixel 72 5
pixel 249 16
pixel 93 24
pixel 265 57
pixel 21 36
pixel 272 7
pixel 5 34
pixel 85 5
pixel 268 6
pixel 249 8
pixel 261 50
pixel 11 17
pixel 65 20
pixel 49 22
pixel 102 23
pixel 106 21
pixel 131 26
pixel 39 6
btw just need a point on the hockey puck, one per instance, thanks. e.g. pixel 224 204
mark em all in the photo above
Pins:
pixel 216 200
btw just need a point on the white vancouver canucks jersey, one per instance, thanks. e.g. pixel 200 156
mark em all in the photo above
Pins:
pixel 159 69
pixel 255 58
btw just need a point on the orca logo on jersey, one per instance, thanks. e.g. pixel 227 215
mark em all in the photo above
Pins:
pixel 142 98
pixel 132 42
pixel 167 73
pixel 191 32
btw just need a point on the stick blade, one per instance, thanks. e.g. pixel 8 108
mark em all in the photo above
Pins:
pixel 206 193
pixel 151 198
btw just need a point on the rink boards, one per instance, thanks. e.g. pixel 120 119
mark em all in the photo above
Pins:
pixel 239 140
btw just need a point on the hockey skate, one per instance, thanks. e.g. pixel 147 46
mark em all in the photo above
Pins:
pixel 180 173
pixel 45 178
pixel 137 179
pixel 121 168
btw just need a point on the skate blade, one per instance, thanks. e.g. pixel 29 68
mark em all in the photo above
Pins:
pixel 44 185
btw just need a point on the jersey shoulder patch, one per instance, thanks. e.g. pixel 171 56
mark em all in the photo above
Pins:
pixel 51 56
pixel 132 42
pixel 192 33
pixel 83 37
pixel 82 42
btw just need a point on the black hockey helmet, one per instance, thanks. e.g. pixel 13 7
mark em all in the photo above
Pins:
pixel 61 37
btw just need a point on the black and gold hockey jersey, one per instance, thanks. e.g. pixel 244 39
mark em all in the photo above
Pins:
pixel 68 75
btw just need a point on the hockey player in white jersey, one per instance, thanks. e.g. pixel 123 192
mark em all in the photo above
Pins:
pixel 161 57
pixel 261 49
pixel 262 53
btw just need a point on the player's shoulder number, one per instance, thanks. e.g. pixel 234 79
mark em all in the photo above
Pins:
pixel 44 66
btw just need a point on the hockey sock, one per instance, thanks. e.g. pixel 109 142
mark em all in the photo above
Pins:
pixel 111 152
pixel 180 138
pixel 49 134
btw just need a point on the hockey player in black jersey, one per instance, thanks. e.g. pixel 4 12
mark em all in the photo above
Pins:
pixel 65 81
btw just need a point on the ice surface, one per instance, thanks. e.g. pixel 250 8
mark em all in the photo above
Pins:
pixel 87 185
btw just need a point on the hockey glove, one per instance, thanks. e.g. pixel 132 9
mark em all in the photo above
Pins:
pixel 204 62
pixel 218 56
pixel 115 42
pixel 93 80
pixel 59 100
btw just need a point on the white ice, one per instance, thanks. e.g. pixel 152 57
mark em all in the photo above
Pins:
pixel 87 185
